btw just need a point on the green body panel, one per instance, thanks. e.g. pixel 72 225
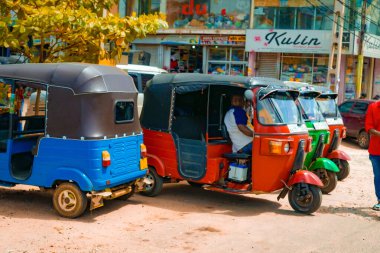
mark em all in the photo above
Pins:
pixel 315 135
pixel 324 163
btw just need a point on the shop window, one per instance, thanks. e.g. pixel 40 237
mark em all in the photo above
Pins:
pixel 227 61
pixel 286 17
pixel 302 68
pixel 208 14
pixel 305 18
pixel 265 18
pixel 294 15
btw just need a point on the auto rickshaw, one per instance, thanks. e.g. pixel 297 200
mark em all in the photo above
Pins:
pixel 72 128
pixel 330 111
pixel 318 129
pixel 183 125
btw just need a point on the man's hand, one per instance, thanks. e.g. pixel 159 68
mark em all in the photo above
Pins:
pixel 372 132
pixel 245 130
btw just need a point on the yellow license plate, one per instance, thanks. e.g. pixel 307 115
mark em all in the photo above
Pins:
pixel 143 164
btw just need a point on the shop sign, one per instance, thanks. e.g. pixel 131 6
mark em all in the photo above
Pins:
pixel 371 46
pixel 191 8
pixel 180 40
pixel 288 41
pixel 222 40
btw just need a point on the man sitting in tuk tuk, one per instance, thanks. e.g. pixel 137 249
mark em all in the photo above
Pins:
pixel 236 122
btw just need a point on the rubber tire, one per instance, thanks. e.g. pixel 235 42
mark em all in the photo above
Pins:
pixel 80 195
pixel 195 184
pixel 333 179
pixel 363 144
pixel 315 204
pixel 344 168
pixel 128 195
pixel 157 185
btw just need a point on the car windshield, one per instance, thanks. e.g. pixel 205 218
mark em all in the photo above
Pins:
pixel 328 108
pixel 278 108
pixel 310 109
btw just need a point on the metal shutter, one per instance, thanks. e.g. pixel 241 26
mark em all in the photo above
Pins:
pixel 268 65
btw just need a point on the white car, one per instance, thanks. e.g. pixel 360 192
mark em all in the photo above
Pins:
pixel 141 74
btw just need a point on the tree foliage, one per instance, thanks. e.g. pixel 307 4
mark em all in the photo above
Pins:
pixel 70 30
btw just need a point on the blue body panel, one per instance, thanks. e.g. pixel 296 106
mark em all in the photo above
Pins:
pixel 77 160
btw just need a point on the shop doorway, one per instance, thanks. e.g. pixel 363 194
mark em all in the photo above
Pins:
pixel 186 59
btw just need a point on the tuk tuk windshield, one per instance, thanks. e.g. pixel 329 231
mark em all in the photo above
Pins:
pixel 328 108
pixel 278 108
pixel 310 109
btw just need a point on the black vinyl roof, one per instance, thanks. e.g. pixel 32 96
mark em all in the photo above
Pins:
pixel 192 78
pixel 81 78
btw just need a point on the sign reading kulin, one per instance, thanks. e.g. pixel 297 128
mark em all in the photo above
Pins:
pixel 288 41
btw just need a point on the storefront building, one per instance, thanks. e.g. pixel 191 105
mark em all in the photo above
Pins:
pixel 284 39
pixel 205 36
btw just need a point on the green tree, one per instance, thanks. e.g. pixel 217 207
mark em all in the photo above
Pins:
pixel 70 30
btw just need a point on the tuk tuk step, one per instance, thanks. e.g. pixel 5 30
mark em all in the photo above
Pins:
pixel 230 187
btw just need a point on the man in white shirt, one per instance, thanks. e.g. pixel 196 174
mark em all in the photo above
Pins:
pixel 236 121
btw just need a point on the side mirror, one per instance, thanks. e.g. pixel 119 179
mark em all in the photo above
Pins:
pixel 248 94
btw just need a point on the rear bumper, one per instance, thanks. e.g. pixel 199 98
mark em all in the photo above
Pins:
pixel 123 179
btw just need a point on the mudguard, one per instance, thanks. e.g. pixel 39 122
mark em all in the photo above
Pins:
pixel 324 163
pixel 339 154
pixel 304 176
pixel 156 162
pixel 71 174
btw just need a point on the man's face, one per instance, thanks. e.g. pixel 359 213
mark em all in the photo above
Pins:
pixel 237 101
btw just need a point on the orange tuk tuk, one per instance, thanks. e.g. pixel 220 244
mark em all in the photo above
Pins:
pixel 184 131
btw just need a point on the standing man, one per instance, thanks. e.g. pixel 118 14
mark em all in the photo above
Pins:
pixel 372 125
pixel 236 121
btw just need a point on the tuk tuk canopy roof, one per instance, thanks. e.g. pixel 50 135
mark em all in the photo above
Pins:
pixel 81 78
pixel 159 91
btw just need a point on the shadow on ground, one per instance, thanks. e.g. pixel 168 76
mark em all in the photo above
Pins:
pixel 175 197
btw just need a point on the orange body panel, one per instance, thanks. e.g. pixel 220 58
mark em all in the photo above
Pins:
pixel 332 129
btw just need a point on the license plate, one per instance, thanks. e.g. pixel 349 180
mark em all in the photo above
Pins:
pixel 321 126
pixel 294 128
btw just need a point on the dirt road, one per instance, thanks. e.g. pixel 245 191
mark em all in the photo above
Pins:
pixel 186 219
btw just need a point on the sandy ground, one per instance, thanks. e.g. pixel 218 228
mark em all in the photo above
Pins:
pixel 186 219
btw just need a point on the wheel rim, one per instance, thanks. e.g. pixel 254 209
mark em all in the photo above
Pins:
pixel 304 197
pixel 149 187
pixel 67 200
pixel 322 174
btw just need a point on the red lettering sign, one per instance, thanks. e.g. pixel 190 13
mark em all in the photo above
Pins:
pixel 188 9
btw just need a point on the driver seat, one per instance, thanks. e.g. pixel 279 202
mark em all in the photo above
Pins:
pixel 232 156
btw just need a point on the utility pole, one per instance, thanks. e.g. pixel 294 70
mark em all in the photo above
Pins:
pixel 336 48
pixel 359 65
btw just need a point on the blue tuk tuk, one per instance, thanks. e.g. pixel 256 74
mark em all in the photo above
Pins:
pixel 73 128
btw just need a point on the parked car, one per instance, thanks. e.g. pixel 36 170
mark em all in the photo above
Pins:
pixel 141 74
pixel 353 113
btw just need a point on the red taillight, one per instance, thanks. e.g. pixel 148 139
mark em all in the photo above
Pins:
pixel 106 158
pixel 143 151
pixel 309 144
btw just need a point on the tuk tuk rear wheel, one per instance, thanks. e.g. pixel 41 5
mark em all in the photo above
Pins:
pixel 328 178
pixel 305 198
pixel 154 188
pixel 69 201
pixel 344 168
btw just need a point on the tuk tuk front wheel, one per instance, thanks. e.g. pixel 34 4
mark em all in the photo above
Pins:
pixel 344 168
pixel 305 198
pixel 155 187
pixel 328 178
pixel 69 201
